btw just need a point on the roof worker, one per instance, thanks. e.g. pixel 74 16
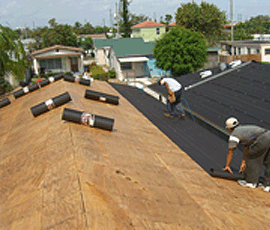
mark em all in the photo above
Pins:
pixel 174 89
pixel 256 154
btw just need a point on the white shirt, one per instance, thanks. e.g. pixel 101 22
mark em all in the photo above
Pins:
pixel 172 83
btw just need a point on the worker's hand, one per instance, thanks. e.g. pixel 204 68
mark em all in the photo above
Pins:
pixel 227 168
pixel 243 166
pixel 170 93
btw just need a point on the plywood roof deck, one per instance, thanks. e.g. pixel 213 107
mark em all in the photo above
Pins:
pixel 60 175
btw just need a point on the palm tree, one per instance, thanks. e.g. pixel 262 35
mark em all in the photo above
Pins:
pixel 12 56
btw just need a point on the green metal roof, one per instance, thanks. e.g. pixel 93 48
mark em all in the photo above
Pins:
pixel 126 46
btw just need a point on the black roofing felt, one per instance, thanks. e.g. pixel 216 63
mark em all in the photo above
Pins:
pixel 201 144
pixel 243 93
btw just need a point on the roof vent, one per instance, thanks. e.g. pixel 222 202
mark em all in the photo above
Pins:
pixel 222 66
pixel 235 63
pixel 206 73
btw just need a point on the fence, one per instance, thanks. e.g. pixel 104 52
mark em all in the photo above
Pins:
pixel 246 57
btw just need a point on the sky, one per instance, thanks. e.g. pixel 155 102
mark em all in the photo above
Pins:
pixel 37 13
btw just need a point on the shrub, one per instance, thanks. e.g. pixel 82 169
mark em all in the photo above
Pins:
pixel 112 73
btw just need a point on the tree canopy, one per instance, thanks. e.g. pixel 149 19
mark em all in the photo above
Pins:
pixel 204 18
pixel 12 56
pixel 181 51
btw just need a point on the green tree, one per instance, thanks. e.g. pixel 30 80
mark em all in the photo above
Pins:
pixel 181 51
pixel 204 18
pixel 240 33
pixel 258 25
pixel 60 35
pixel 126 26
pixel 136 19
pixel 52 22
pixel 12 56
pixel 87 43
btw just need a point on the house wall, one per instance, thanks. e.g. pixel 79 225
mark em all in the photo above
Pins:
pixel 102 56
pixel 265 56
pixel 66 65
pixel 246 52
pixel 148 34
pixel 155 71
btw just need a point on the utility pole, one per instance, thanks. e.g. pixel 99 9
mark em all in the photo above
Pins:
pixel 231 20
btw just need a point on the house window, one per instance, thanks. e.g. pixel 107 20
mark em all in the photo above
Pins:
pixel 239 51
pixel 249 51
pixel 267 51
pixel 51 63
pixel 126 65
pixel 157 31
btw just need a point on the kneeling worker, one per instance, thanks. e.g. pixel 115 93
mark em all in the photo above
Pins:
pixel 257 152
pixel 174 88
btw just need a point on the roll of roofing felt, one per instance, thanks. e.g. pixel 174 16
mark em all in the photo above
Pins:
pixel 88 119
pixel 4 102
pixel 79 80
pixel 83 81
pixel 226 175
pixel 58 76
pixel 69 78
pixel 25 90
pixel 50 104
pixel 33 87
pixel 18 93
pixel 44 83
pixel 89 94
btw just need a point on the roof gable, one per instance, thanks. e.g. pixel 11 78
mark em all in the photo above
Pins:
pixel 57 47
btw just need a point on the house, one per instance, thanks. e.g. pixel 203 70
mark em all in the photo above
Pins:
pixel 148 30
pixel 93 36
pixel 245 51
pixel 261 37
pixel 58 58
pixel 130 57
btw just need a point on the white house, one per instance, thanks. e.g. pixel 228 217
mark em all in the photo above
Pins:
pixel 58 59
pixel 246 50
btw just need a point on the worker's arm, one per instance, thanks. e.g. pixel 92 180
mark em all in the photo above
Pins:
pixel 243 164
pixel 229 159
pixel 168 89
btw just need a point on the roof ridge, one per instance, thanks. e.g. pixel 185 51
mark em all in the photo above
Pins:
pixel 216 76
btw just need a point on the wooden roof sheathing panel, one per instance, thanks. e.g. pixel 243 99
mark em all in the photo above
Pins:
pixel 61 175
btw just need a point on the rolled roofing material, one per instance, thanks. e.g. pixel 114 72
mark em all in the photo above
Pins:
pixel 79 80
pixel 93 95
pixel 58 76
pixel 44 82
pixel 25 90
pixel 88 119
pixel 4 102
pixel 226 175
pixel 50 104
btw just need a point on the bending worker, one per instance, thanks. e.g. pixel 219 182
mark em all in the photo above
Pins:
pixel 174 88
pixel 257 152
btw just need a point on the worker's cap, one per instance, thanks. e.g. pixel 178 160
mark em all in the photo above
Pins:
pixel 231 122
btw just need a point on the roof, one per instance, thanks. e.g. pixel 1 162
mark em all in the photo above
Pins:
pixel 148 24
pixel 172 24
pixel 246 42
pixel 126 46
pixel 61 175
pixel 93 36
pixel 241 92
pixel 45 50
